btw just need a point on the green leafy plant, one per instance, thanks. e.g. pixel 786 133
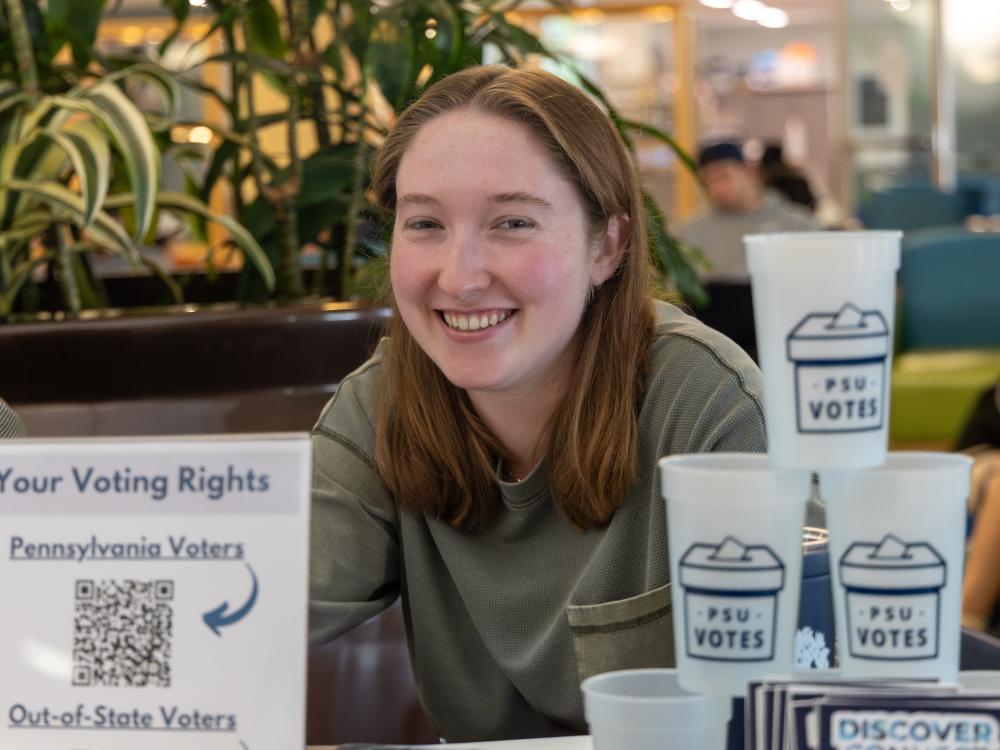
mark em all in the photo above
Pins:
pixel 79 164
pixel 380 56
pixel 61 156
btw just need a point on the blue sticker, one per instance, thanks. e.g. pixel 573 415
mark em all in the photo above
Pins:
pixel 892 599
pixel 730 600
pixel 839 360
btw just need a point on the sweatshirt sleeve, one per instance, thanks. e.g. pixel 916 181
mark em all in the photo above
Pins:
pixel 354 553
pixel 11 425
pixel 704 392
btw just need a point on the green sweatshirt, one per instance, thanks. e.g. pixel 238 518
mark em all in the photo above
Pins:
pixel 503 624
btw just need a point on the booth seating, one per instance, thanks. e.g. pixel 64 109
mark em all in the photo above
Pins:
pixel 948 334
pixel 911 207
pixel 361 687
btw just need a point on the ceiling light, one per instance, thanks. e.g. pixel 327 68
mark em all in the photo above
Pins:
pixel 773 18
pixel 748 10
pixel 900 5
pixel 717 3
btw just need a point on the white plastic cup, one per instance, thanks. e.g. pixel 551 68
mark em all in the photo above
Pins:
pixel 823 309
pixel 897 536
pixel 647 709
pixel 734 528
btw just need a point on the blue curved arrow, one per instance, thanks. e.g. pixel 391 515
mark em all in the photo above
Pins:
pixel 217 618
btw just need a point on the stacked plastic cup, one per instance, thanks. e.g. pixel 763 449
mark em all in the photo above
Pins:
pixel 824 315
pixel 734 528
pixel 897 548
pixel 824 310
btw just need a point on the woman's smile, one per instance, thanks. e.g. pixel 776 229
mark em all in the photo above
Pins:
pixel 475 320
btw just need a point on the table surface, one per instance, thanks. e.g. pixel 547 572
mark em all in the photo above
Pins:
pixel 551 743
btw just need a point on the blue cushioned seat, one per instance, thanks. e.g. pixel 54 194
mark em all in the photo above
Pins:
pixel 950 282
pixel 910 207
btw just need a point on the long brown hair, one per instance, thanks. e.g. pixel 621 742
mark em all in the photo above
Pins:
pixel 435 454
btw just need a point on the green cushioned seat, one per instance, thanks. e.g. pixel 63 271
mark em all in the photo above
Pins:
pixel 933 392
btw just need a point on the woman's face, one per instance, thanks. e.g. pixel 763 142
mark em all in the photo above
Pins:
pixel 491 261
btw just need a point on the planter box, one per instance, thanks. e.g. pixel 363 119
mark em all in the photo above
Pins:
pixel 184 372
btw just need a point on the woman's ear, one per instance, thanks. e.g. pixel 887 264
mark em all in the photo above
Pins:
pixel 610 252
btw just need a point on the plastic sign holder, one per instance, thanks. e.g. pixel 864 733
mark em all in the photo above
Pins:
pixel 155 593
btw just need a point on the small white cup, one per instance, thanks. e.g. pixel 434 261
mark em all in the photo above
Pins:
pixel 734 528
pixel 897 536
pixel 647 709
pixel 823 309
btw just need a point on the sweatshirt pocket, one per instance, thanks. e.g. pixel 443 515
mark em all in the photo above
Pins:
pixel 629 633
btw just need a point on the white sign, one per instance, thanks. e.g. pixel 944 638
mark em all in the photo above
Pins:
pixel 154 593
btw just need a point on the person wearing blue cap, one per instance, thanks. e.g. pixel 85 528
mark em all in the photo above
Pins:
pixel 740 205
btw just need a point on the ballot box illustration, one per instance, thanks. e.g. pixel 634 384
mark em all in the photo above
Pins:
pixel 892 591
pixel 730 600
pixel 840 363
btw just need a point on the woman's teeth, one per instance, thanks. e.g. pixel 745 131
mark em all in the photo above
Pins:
pixel 461 322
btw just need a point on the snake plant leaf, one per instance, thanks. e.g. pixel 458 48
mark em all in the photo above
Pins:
pixel 36 158
pixel 103 229
pixel 179 9
pixel 35 116
pixel 12 101
pixel 10 96
pixel 21 273
pixel 162 82
pixel 89 136
pixel 28 224
pixel 131 134
pixel 84 163
pixel 240 236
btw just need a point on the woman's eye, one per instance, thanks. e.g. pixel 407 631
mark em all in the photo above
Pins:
pixel 516 223
pixel 422 224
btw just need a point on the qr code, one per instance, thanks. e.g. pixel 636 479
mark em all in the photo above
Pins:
pixel 122 632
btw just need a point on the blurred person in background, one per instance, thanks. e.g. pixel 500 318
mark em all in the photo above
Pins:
pixel 740 205
pixel 783 178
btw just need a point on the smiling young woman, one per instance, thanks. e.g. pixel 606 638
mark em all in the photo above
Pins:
pixel 494 462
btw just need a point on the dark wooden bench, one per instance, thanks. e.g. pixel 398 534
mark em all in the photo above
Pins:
pixel 222 371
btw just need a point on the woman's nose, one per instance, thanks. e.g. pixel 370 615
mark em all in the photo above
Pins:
pixel 463 272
